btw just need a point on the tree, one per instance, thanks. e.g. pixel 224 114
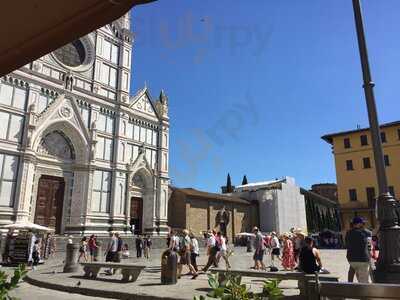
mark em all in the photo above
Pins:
pixel 309 215
pixel 229 188
pixel 244 181
pixel 319 219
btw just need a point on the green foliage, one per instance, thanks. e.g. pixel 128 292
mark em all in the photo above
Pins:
pixel 230 287
pixel 271 289
pixel 6 287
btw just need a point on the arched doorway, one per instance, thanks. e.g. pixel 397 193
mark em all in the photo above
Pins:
pixel 54 146
pixel 136 207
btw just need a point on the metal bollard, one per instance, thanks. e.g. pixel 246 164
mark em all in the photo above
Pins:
pixel 71 258
pixel 169 262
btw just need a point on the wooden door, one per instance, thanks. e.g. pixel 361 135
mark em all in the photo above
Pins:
pixel 137 214
pixel 49 203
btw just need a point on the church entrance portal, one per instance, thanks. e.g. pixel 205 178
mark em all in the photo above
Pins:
pixel 137 214
pixel 49 203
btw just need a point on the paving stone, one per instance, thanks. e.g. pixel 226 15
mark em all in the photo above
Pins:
pixel 148 285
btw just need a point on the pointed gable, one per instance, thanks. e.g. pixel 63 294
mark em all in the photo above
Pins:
pixel 141 102
pixel 108 29
pixel 63 109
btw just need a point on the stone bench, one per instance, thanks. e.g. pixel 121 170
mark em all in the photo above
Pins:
pixel 301 278
pixel 130 272
pixel 348 290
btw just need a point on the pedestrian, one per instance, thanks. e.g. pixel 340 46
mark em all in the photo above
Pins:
pixel 82 249
pixel 147 246
pixel 298 243
pixel 6 252
pixel 358 254
pixel 125 251
pixel 49 246
pixel 351 272
pixel 93 248
pixel 194 251
pixel 259 250
pixel 139 246
pixel 120 243
pixel 174 241
pixel 112 251
pixel 212 250
pixel 36 254
pixel 288 260
pixel 221 239
pixel 276 248
pixel 185 258
pixel 309 258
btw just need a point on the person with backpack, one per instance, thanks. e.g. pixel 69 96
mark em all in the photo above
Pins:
pixel 212 251
pixel 223 249
pixel 276 250
pixel 185 255
pixel 259 247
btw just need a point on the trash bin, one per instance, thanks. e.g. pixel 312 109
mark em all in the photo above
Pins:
pixel 169 261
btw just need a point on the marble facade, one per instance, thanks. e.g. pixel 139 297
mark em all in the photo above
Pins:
pixel 68 118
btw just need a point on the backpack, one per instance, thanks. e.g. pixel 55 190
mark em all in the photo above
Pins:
pixel 273 243
pixel 273 269
pixel 217 246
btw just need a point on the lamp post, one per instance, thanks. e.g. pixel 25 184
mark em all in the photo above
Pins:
pixel 388 265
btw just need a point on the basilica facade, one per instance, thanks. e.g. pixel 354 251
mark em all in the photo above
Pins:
pixel 77 152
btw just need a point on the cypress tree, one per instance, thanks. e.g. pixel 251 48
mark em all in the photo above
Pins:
pixel 229 188
pixel 244 181
pixel 309 215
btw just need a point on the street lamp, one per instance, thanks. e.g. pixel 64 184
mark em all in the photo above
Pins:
pixel 388 265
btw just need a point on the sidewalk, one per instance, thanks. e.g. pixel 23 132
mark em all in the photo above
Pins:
pixel 148 286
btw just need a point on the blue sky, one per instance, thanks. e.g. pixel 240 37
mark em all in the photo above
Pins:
pixel 253 85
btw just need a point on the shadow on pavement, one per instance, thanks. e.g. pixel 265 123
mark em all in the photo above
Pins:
pixel 112 280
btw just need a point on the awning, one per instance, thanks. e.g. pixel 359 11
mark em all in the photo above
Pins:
pixel 31 29
pixel 27 226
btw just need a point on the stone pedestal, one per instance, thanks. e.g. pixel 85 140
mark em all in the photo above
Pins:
pixel 98 254
pixel 71 258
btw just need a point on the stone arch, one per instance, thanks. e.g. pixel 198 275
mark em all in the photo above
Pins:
pixel 141 184
pixel 57 145
pixel 73 134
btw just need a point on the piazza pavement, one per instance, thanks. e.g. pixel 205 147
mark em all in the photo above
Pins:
pixel 148 285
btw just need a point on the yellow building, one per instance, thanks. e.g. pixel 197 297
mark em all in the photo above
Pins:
pixel 355 170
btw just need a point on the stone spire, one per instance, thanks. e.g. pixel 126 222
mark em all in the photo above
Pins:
pixel 162 105
pixel 163 98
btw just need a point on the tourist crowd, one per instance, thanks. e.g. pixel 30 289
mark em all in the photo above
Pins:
pixel 291 251
pixel 297 251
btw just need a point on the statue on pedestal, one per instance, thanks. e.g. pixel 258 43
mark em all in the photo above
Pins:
pixel 222 220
